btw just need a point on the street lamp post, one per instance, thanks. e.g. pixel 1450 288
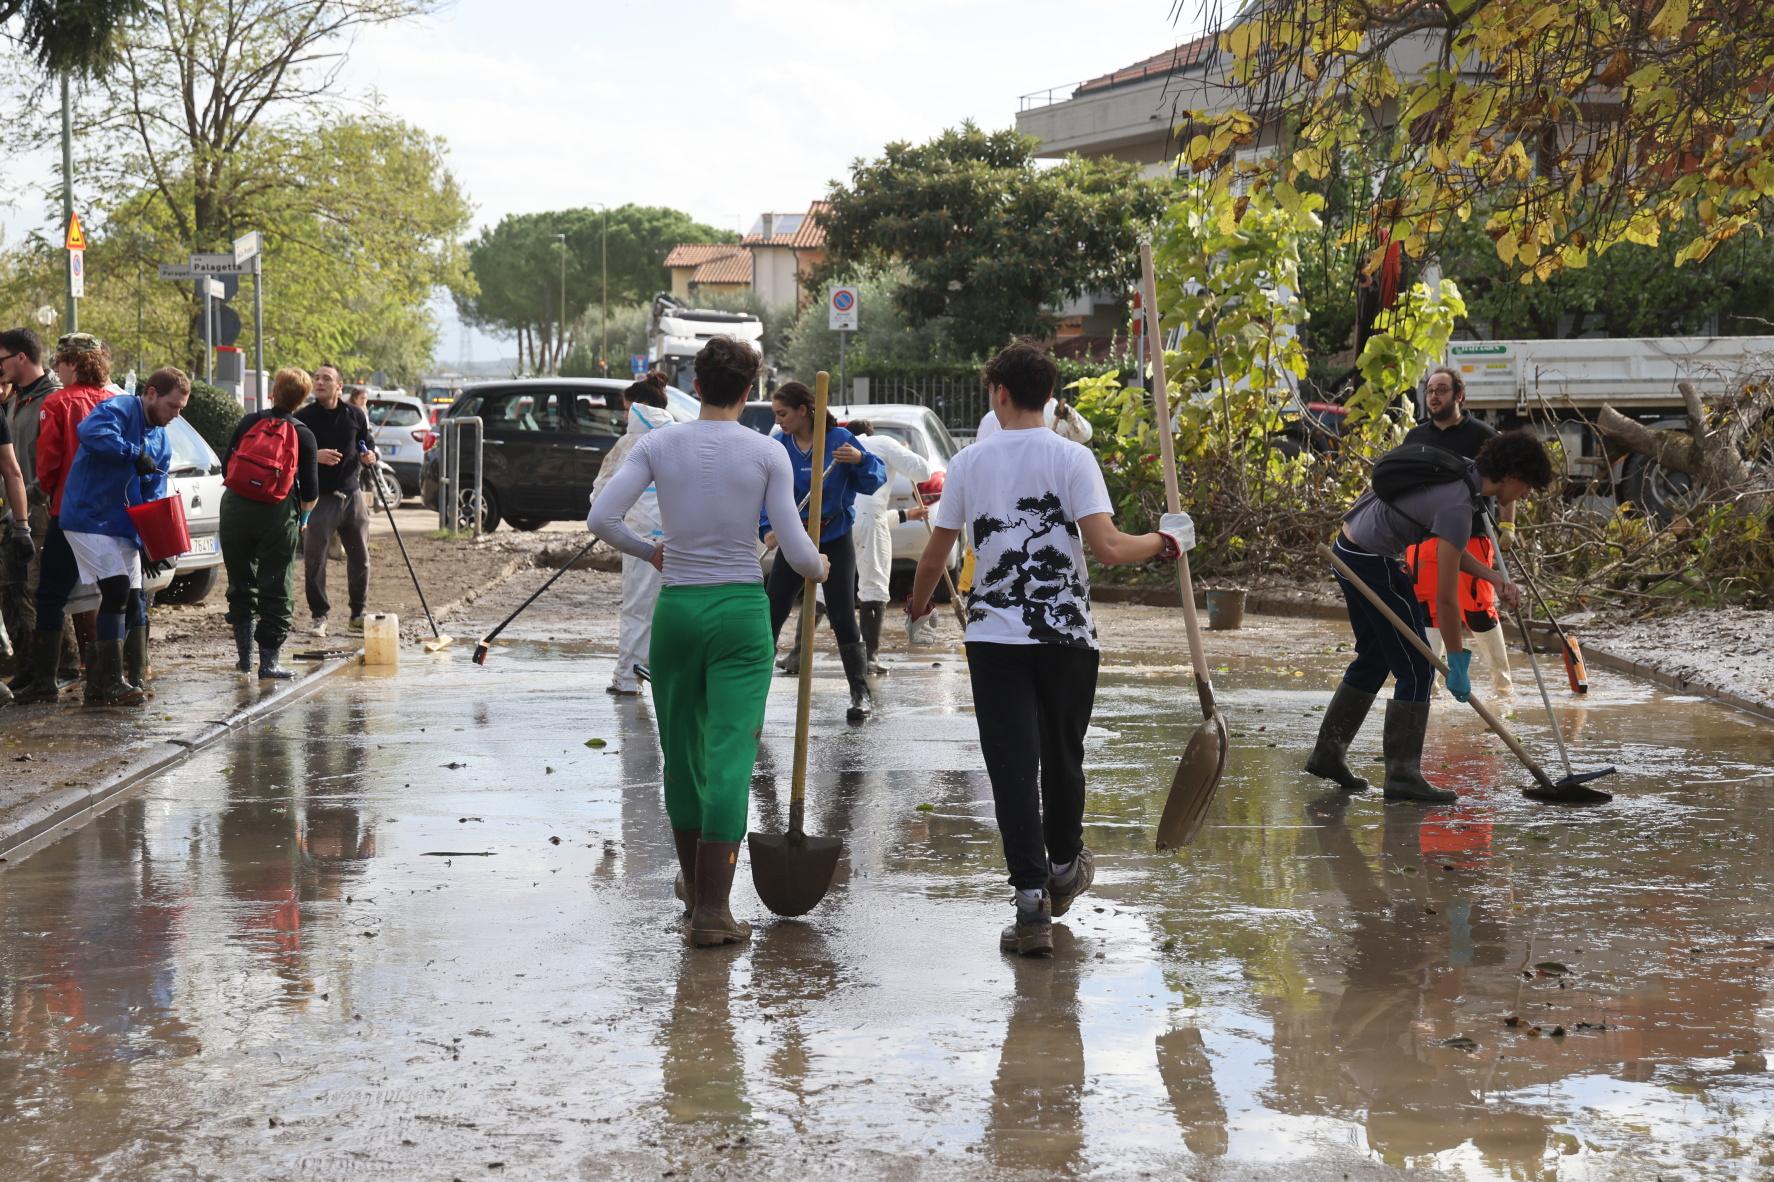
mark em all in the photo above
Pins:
pixel 604 300
pixel 560 346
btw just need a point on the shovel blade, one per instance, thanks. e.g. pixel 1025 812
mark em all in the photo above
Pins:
pixel 792 871
pixel 1193 786
pixel 1571 790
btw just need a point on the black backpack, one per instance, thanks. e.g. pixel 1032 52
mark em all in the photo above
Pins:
pixel 1411 466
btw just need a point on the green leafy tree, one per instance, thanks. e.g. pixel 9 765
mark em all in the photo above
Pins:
pixel 989 240
pixel 518 273
pixel 68 38
pixel 884 332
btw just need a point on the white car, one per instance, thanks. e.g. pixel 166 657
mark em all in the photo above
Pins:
pixel 402 431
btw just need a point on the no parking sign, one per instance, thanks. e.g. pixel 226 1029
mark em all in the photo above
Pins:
pixel 840 309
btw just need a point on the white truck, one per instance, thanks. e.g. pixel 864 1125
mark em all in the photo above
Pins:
pixel 676 332
pixel 1560 385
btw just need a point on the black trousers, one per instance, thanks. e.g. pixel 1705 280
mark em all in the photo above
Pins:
pixel 60 575
pixel 785 583
pixel 1032 703
pixel 1379 649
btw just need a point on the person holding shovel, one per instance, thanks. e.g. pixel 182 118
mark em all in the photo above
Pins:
pixel 1431 501
pixel 850 472
pixel 712 642
pixel 271 482
pixel 1029 495
pixel 645 402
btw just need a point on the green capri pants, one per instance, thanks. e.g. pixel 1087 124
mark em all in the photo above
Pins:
pixel 710 663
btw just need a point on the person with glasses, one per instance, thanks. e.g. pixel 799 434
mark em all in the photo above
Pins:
pixel 21 363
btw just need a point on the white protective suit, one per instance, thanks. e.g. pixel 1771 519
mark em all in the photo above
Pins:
pixel 640 580
pixel 873 531
pixel 1074 426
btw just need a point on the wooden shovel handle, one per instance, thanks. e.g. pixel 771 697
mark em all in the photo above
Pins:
pixel 1173 501
pixel 1409 633
pixel 948 580
pixel 809 609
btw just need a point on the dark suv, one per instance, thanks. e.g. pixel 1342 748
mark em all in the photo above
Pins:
pixel 546 438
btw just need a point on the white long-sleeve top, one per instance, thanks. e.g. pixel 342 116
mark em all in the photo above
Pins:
pixel 1074 426
pixel 713 479
pixel 901 461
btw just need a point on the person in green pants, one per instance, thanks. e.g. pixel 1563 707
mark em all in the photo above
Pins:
pixel 712 642
pixel 270 483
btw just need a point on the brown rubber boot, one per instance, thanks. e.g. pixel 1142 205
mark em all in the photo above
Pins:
pixel 685 887
pixel 711 924
pixel 104 677
pixel 1342 718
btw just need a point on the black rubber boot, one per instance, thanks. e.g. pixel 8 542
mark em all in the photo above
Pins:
pixel 135 658
pixel 243 646
pixel 46 651
pixel 856 671
pixel 869 616
pixel 1406 724
pixel 711 923
pixel 269 669
pixel 1342 719
pixel 104 677
pixel 790 664
pixel 685 887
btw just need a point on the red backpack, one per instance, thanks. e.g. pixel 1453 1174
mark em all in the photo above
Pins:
pixel 263 466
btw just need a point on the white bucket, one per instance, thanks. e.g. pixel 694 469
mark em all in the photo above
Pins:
pixel 381 639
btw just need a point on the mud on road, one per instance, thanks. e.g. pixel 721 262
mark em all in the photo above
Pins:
pixel 420 926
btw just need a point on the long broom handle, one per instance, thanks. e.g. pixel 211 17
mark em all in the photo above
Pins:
pixel 1533 661
pixel 536 594
pixel 411 573
pixel 809 616
pixel 1417 642
pixel 1173 501
pixel 947 579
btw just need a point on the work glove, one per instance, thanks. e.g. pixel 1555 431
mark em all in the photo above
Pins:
pixel 145 465
pixel 153 569
pixel 919 625
pixel 1178 532
pixel 1506 535
pixel 1460 676
pixel 19 546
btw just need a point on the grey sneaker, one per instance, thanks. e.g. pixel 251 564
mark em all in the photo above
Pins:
pixel 1075 883
pixel 1032 933
pixel 318 628
pixel 356 625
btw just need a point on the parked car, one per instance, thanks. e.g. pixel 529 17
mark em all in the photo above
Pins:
pixel 545 439
pixel 197 478
pixel 760 417
pixel 920 430
pixel 402 428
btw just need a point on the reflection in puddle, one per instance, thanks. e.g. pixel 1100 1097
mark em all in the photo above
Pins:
pixel 251 970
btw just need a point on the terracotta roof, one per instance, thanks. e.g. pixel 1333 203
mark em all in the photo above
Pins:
pixel 694 254
pixel 1169 62
pixel 729 268
pixel 805 232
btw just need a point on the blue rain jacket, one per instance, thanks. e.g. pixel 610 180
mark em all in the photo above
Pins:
pixel 843 483
pixel 103 482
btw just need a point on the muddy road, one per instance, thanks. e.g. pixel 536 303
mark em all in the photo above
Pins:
pixel 420 925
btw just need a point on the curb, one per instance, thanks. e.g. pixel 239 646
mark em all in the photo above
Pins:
pixel 1270 605
pixel 38 823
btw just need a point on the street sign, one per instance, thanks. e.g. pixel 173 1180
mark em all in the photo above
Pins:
pixel 212 263
pixel 213 289
pixel 246 247
pixel 841 309
pixel 76 236
pixel 77 273
pixel 181 271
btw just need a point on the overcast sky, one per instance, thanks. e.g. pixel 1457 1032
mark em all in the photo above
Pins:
pixel 721 108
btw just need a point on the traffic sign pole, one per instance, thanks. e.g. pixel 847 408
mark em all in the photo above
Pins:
pixel 841 311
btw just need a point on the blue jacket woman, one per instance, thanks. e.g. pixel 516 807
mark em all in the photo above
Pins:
pixel 850 471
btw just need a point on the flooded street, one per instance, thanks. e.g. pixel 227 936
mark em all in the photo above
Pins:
pixel 420 925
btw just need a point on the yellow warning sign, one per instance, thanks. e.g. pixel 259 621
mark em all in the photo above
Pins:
pixel 76 236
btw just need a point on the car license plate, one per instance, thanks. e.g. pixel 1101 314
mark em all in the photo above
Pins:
pixel 393 449
pixel 207 544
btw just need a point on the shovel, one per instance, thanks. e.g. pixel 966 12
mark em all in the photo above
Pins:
pixel 1569 790
pixel 791 872
pixel 1204 759
pixel 1570 786
pixel 438 641
pixel 948 580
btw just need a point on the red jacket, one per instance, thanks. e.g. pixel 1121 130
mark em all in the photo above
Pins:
pixel 56 438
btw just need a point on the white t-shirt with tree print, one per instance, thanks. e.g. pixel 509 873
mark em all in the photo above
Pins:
pixel 1021 494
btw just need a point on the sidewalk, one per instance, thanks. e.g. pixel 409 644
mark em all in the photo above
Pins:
pixel 64 758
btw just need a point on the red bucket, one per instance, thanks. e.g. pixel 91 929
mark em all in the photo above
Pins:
pixel 161 526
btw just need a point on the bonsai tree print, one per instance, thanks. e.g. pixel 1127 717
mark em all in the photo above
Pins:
pixel 1030 574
